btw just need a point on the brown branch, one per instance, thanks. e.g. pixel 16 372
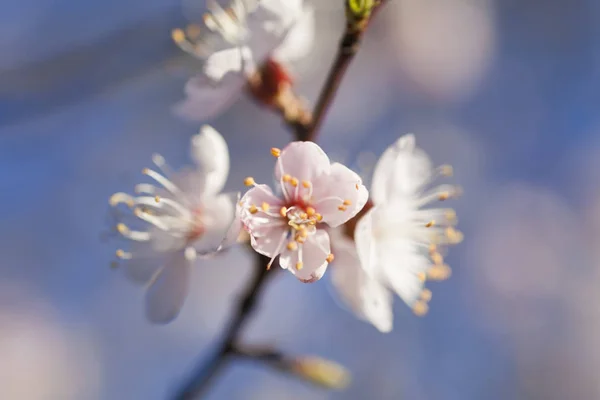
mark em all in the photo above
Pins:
pixel 348 47
pixel 201 377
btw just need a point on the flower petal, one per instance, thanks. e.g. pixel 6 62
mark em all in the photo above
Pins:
pixel 390 257
pixel 313 256
pixel 402 170
pixel 209 151
pixel 168 291
pixel 144 264
pixel 364 295
pixel 218 215
pixel 299 40
pixel 303 161
pixel 329 192
pixel 205 99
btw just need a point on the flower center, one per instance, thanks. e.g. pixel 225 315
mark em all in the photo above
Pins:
pixel 197 226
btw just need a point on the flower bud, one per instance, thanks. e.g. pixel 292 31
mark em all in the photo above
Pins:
pixel 322 372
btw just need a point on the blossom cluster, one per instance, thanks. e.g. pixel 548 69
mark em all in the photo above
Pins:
pixel 380 242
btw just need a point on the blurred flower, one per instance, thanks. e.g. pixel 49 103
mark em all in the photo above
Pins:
pixel 243 38
pixel 314 192
pixel 397 241
pixel 184 218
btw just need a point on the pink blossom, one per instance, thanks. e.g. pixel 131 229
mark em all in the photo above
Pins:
pixel 314 193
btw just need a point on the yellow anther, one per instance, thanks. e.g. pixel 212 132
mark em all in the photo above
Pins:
pixel 122 228
pixel 310 211
pixel 444 196
pixel 356 186
pixel 306 184
pixel 275 152
pixel 439 272
pixel 303 233
pixel 304 216
pixel 330 257
pixel 283 211
pixel 294 182
pixel 253 209
pixel 265 206
pixel 420 308
pixel 437 258
pixel 319 217
pixel 430 224
pixel 300 239
pixel 177 35
pixel 446 170
pixel 426 295
pixel 347 202
pixel 432 248
pixel 157 199
pixel 422 276
pixel 291 246
pixel 145 171
pixel 342 208
pixel 299 265
pixel 249 181
pixel 453 235
pixel 120 253
pixel 286 178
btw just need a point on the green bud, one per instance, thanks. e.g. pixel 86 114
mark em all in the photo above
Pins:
pixel 359 10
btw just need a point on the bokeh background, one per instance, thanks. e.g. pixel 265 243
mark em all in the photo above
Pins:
pixel 507 91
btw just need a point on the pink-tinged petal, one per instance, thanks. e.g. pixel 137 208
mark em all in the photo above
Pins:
pixel 206 99
pixel 209 151
pixel 313 255
pixel 168 291
pixel 299 41
pixel 219 224
pixel 402 170
pixel 303 161
pixel 361 293
pixel 266 231
pixel 330 191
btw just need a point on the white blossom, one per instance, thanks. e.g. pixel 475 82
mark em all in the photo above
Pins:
pixel 186 216
pixel 240 40
pixel 398 241
pixel 314 193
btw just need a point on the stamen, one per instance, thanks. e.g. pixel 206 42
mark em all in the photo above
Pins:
pixel 275 152
pixel 304 216
pixel 439 272
pixel 310 211
pixel 444 196
pixel 446 170
pixel 299 265
pixel 121 198
pixel 330 257
pixel 430 224
pixel 291 246
pixel 265 206
pixel 422 276
pixel 306 184
pixel 123 255
pixel 283 211
pixel 420 308
pixel 253 209
pixel 294 182
pixel 426 295
pixel 319 217
pixel 249 181
pixel 167 184
pixel 347 202
pixel 178 35
pixel 432 248
pixel 286 178
pixel 144 188
pixel 356 186
pixel 145 215
pixel 137 236
pixel 342 208
pixel 437 258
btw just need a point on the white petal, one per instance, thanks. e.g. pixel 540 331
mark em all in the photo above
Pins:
pixel 365 296
pixel 229 61
pixel 313 254
pixel 144 264
pixel 402 170
pixel 218 214
pixel 209 151
pixel 302 160
pixel 299 41
pixel 168 291
pixel 205 99
pixel 330 190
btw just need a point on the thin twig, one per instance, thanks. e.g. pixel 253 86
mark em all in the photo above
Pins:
pixel 348 47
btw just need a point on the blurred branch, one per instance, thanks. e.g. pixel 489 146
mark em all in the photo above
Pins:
pixel 314 369
pixel 359 14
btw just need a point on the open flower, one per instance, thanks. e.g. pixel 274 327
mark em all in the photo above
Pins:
pixel 241 39
pixel 174 223
pixel 314 193
pixel 397 241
